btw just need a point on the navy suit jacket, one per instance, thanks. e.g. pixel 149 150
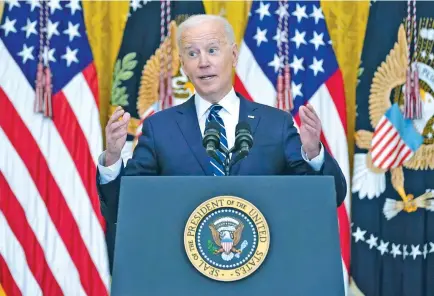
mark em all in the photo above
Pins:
pixel 171 144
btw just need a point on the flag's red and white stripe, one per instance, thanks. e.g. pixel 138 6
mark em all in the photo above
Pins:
pixel 388 148
pixel 51 229
pixel 329 103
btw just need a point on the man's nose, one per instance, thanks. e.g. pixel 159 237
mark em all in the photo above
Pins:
pixel 203 61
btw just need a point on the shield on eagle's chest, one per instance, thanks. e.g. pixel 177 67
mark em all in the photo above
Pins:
pixel 227 244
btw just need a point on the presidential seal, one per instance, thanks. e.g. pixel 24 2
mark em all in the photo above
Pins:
pixel 226 238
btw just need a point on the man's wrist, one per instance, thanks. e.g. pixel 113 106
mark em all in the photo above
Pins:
pixel 312 153
pixel 110 159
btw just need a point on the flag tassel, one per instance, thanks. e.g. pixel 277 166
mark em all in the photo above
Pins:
pixel 39 88
pixel 288 95
pixel 169 91
pixel 280 91
pixel 412 103
pixel 48 111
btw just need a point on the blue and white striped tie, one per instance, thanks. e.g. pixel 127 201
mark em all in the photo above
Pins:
pixel 214 116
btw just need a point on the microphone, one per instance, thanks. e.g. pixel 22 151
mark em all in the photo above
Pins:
pixel 243 141
pixel 243 137
pixel 211 140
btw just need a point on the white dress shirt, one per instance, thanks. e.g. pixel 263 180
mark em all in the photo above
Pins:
pixel 229 114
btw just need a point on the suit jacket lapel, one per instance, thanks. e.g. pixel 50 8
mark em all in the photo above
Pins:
pixel 189 125
pixel 247 114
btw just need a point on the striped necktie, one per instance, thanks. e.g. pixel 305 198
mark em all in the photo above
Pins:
pixel 218 169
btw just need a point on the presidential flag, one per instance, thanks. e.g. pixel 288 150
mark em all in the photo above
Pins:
pixel 148 68
pixel 293 35
pixel 393 180
pixel 147 60
pixel 51 229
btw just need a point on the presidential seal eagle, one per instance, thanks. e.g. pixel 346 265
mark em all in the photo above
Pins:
pixel 226 233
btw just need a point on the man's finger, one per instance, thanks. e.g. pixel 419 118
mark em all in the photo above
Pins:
pixel 311 113
pixel 118 125
pixel 311 129
pixel 119 134
pixel 115 116
pixel 302 113
pixel 305 119
pixel 121 122
pixel 126 117
pixel 311 108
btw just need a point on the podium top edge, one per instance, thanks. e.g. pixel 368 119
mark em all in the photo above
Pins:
pixel 233 177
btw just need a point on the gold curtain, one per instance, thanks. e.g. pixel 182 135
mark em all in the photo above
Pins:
pixel 1 8
pixel 105 23
pixel 346 22
pixel 236 12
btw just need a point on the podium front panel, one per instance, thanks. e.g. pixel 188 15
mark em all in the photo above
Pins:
pixel 304 253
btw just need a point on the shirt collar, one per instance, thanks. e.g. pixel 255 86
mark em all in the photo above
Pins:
pixel 230 103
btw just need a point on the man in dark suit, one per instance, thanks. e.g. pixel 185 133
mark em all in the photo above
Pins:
pixel 171 142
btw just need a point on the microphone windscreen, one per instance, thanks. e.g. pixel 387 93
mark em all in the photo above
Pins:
pixel 242 125
pixel 212 125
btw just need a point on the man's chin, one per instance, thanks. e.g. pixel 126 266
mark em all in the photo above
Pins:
pixel 207 91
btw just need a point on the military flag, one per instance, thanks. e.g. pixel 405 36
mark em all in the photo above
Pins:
pixel 393 180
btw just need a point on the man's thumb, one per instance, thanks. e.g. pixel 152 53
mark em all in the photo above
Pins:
pixel 126 117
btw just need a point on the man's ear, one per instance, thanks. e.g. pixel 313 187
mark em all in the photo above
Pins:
pixel 181 61
pixel 182 65
pixel 180 58
pixel 235 54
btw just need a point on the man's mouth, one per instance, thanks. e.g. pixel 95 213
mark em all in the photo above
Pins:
pixel 207 77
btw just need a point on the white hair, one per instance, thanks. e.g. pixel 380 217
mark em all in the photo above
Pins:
pixel 196 20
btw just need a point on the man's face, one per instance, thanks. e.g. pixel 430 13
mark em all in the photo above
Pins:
pixel 207 58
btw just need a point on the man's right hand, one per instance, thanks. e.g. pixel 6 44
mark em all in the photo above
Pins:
pixel 116 135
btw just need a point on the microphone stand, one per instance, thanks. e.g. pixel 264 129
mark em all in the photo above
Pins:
pixel 229 161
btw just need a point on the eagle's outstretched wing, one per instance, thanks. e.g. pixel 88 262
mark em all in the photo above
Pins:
pixel 149 86
pixel 237 233
pixel 390 74
pixel 215 235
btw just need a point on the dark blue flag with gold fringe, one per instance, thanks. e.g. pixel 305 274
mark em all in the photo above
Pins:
pixel 149 55
pixel 393 178
pixel 148 59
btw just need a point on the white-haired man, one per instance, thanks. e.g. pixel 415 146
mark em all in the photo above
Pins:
pixel 171 142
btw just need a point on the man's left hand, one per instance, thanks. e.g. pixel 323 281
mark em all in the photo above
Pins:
pixel 310 131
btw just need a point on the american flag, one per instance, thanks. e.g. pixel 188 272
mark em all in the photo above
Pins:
pixel 51 229
pixel 395 140
pixel 315 73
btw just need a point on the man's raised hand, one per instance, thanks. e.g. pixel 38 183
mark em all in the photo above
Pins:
pixel 116 135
